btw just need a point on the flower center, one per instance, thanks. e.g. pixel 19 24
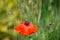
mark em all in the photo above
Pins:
pixel 26 23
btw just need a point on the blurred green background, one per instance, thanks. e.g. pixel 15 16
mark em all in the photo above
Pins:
pixel 45 14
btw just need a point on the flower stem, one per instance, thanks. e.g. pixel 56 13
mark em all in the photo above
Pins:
pixel 26 37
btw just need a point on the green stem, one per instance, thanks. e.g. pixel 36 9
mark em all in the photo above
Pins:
pixel 26 37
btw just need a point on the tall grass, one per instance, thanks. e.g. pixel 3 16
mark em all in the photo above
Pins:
pixel 43 13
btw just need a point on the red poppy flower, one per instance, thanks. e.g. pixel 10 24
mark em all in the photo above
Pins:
pixel 26 28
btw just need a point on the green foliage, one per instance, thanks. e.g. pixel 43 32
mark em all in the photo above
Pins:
pixel 43 13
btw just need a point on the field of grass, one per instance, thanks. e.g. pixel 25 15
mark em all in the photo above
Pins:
pixel 45 14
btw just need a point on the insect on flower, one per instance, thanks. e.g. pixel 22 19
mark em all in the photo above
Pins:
pixel 26 28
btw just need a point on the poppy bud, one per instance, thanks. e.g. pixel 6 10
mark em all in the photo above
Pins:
pixel 26 28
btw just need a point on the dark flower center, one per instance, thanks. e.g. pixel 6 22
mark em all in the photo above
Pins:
pixel 26 23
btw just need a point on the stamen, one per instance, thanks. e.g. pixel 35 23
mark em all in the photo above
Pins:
pixel 26 23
